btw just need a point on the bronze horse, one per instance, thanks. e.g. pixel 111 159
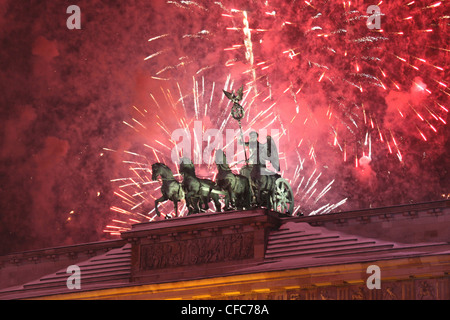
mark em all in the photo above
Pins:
pixel 198 191
pixel 262 183
pixel 171 189
pixel 237 186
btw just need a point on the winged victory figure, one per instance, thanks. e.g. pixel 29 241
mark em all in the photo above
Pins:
pixel 235 97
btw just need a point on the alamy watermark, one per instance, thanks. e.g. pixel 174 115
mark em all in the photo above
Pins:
pixel 199 146
pixel 374 280
pixel 374 19
pixel 74 280
pixel 74 21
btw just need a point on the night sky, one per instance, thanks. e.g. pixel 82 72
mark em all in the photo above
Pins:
pixel 65 94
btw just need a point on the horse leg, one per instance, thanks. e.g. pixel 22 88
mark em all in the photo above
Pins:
pixel 227 202
pixel 175 206
pixel 157 201
pixel 239 205
pixel 217 203
pixel 259 201
pixel 228 199
pixel 189 206
pixel 254 194
pixel 248 194
pixel 205 200
pixel 190 202
pixel 241 200
pixel 232 196
pixel 198 204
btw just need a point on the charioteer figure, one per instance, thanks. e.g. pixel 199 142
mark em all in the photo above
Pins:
pixel 261 153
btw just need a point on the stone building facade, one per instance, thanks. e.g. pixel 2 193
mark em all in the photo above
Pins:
pixel 249 255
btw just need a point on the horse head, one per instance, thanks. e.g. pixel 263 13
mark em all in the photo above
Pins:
pixel 155 171
pixel 160 169
pixel 186 166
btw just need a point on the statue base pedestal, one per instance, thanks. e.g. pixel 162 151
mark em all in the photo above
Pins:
pixel 200 245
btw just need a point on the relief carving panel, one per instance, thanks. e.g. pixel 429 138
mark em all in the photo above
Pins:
pixel 425 289
pixel 197 251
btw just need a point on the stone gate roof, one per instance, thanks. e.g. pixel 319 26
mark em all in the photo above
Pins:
pixel 288 244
